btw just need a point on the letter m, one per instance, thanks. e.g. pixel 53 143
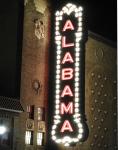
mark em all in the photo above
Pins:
pixel 67 109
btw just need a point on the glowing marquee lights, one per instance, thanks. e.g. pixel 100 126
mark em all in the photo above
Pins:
pixel 68 123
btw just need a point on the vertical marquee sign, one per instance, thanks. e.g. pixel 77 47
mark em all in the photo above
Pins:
pixel 68 124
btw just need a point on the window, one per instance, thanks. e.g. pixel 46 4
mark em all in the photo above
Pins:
pixel 29 138
pixel 40 138
pixel 30 111
pixel 41 115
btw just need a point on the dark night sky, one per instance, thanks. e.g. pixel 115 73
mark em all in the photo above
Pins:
pixel 101 19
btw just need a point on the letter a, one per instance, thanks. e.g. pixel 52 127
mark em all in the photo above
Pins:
pixel 66 126
pixel 68 25
pixel 67 91
pixel 67 58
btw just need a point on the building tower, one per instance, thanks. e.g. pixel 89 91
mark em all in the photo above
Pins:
pixel 34 76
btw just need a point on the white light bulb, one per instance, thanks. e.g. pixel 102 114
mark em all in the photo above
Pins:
pixel 57 28
pixel 81 130
pixel 80 136
pixel 57 13
pixel 77 65
pixel 57 91
pixel 57 112
pixel 57 81
pixel 69 5
pixel 53 132
pixel 58 42
pixel 65 9
pixel 76 120
pixel 57 106
pixel 78 39
pixel 77 59
pixel 58 62
pixel 54 127
pixel 57 18
pixel 66 139
pixel 54 137
pixel 80 14
pixel 76 14
pixel 77 73
pixel 80 24
pixel 80 8
pixel 57 23
pixel 76 80
pixel 58 141
pixel 76 110
pixel 80 19
pixel 58 57
pixel 57 101
pixel 76 84
pixel 59 47
pixel 80 29
pixel 75 140
pixel 77 49
pixel 66 144
pixel 76 116
pixel 76 69
pixel 72 8
pixel 57 96
pixel 76 99
pixel 57 86
pixel 76 105
pixel 76 10
pixel 76 95
pixel 79 34
pixel 60 18
pixel 57 117
pixel 56 121
pixel 77 54
pixel 80 125
pixel 58 66
pixel 57 33
pixel 77 44
pixel 58 52
pixel 58 38
pixel 76 89
pixel 61 13
pixel 57 76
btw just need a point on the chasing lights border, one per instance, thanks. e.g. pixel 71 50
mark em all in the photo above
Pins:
pixel 68 9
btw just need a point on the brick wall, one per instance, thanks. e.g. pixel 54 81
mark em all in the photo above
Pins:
pixel 34 63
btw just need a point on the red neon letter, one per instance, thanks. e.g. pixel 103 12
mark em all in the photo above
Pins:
pixel 67 91
pixel 66 126
pixel 67 58
pixel 67 74
pixel 68 25
pixel 66 109
pixel 64 44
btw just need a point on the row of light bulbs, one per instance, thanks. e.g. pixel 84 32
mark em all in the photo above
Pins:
pixel 68 9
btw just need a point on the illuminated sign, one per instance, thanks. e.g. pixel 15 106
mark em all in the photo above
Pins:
pixel 68 124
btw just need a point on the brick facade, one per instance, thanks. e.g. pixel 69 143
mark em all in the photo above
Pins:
pixel 34 79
